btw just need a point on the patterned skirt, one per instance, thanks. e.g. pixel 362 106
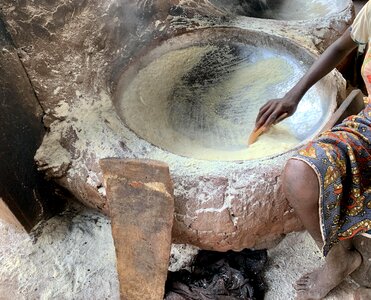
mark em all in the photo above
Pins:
pixel 341 158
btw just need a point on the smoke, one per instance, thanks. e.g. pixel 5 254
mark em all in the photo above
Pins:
pixel 249 8
pixel 253 8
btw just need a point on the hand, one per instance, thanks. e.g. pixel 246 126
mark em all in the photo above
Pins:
pixel 275 111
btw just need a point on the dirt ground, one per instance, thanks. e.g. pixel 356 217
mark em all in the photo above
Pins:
pixel 73 255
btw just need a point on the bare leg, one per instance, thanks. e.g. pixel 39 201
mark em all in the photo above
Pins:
pixel 301 188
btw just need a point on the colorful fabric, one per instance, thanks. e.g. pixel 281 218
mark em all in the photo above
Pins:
pixel 341 158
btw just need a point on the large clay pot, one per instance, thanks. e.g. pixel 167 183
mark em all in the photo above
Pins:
pixel 79 56
pixel 224 203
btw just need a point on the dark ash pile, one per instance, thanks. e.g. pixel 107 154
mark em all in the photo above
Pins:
pixel 220 276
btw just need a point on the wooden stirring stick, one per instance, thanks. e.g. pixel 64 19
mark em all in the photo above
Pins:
pixel 256 133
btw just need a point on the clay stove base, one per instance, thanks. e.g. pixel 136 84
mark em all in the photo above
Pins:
pixel 75 254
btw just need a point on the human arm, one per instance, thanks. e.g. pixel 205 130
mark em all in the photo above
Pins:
pixel 273 110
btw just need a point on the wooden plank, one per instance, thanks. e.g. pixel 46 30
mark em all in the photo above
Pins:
pixel 7 215
pixel 141 204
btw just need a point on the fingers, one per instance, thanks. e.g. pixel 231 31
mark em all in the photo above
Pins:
pixel 269 116
pixel 266 113
pixel 263 109
pixel 281 118
pixel 275 117
pixel 271 119
pixel 261 129
pixel 272 113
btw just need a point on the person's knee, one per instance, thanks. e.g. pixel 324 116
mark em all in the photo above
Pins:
pixel 300 183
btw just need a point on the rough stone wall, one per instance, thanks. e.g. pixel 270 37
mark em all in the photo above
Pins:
pixel 23 190
pixel 68 49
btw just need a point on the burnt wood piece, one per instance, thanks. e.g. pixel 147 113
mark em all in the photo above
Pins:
pixel 141 205
pixel 23 191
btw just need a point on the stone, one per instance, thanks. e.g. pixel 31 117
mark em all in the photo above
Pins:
pixel 139 194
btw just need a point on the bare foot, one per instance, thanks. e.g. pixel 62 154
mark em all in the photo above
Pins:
pixel 340 262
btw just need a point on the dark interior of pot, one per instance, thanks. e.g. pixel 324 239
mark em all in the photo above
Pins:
pixel 198 95
pixel 282 9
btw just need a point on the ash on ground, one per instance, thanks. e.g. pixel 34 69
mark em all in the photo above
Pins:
pixel 74 254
